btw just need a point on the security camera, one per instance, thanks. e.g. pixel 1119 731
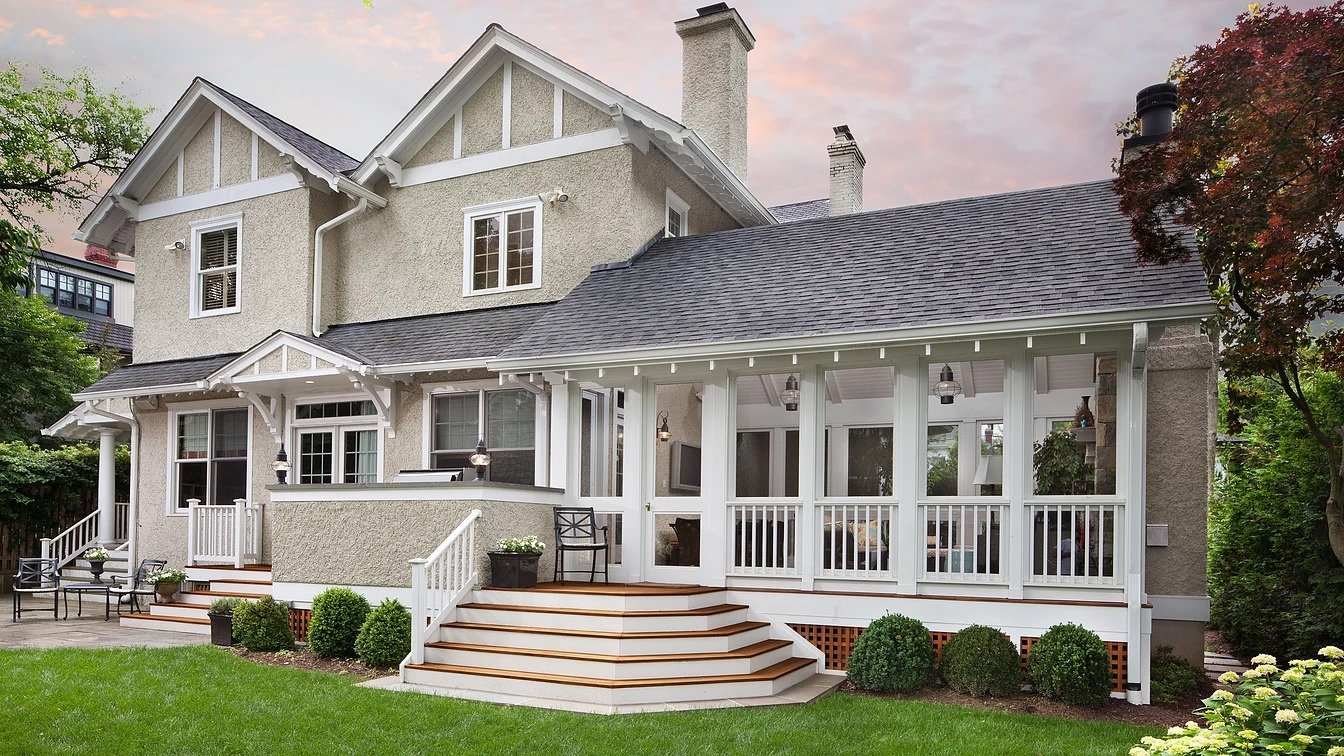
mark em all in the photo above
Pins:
pixel 553 196
pixel 563 196
pixel 177 246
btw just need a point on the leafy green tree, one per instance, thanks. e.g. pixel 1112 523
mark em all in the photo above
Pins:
pixel 42 362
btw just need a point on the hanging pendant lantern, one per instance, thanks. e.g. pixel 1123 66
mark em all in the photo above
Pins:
pixel 947 388
pixel 790 396
pixel 664 433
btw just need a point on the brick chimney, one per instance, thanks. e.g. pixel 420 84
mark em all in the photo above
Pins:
pixel 846 172
pixel 715 43
pixel 99 255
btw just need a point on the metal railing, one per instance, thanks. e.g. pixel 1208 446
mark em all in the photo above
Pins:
pixel 223 533
pixel 440 581
pixel 963 541
pixel 764 538
pixel 856 540
pixel 1072 543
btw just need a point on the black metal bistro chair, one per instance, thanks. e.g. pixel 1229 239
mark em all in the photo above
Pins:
pixel 136 585
pixel 576 530
pixel 35 577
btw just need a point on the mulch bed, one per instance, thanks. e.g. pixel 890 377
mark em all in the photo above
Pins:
pixel 1113 710
pixel 302 658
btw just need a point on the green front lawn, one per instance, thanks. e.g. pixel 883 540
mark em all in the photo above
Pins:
pixel 205 700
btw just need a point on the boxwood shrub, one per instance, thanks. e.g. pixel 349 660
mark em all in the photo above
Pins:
pixel 385 638
pixel 895 653
pixel 982 661
pixel 1174 679
pixel 1069 663
pixel 338 613
pixel 263 625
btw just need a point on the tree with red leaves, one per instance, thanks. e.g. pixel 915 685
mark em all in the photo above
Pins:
pixel 1255 166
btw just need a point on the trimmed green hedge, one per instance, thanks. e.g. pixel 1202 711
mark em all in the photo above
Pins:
pixel 385 638
pixel 338 613
pixel 895 653
pixel 1069 663
pixel 982 661
pixel 263 625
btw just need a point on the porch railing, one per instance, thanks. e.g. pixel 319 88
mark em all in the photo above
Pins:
pixel 68 545
pixel 440 581
pixel 121 527
pixel 963 541
pixel 223 533
pixel 1075 543
pixel 856 540
pixel 764 539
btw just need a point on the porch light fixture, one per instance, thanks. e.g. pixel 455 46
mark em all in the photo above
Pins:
pixel 947 388
pixel 281 465
pixel 790 396
pixel 664 433
pixel 481 459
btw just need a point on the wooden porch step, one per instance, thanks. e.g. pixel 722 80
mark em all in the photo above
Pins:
pixel 226 594
pixel 769 673
pixel 740 627
pixel 702 612
pixel 746 652
pixel 165 618
pixel 229 582
pixel 614 589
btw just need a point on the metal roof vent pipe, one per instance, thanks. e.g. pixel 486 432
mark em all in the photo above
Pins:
pixel 1155 108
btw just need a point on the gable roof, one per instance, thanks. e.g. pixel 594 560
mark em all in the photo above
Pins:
pixel 796 211
pixel 322 153
pixel 1055 251
pixel 169 374
pixel 79 263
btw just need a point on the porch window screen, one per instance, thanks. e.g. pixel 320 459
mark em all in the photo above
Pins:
pixel 503 250
pixel 217 277
pixel 212 454
pixel 509 421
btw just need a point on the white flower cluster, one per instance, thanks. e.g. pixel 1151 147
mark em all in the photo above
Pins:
pixel 96 554
pixel 525 545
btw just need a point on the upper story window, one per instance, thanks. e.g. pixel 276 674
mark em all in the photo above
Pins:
pixel 216 259
pixel 503 247
pixel 677 214
pixel 75 292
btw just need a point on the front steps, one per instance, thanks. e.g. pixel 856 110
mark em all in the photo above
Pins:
pixel 188 613
pixel 611 649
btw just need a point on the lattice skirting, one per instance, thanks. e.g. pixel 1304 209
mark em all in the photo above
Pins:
pixel 837 643
pixel 298 623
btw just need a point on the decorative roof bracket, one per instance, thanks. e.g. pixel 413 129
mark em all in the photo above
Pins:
pixel 371 386
pixel 269 409
pixel 632 131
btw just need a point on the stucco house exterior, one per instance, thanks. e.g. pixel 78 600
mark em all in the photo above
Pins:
pixel 794 419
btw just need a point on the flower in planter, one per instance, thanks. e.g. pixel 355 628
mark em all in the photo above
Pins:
pixel 167 575
pixel 96 555
pixel 527 545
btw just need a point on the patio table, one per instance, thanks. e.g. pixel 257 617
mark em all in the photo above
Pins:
pixel 79 589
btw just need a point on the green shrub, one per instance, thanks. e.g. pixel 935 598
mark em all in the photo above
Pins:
pixel 895 653
pixel 226 605
pixel 385 638
pixel 263 625
pixel 1173 679
pixel 338 613
pixel 1069 663
pixel 982 661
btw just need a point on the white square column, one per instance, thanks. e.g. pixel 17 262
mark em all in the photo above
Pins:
pixel 107 487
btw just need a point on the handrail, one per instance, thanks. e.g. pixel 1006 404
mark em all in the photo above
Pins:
pixel 223 533
pixel 67 545
pixel 440 581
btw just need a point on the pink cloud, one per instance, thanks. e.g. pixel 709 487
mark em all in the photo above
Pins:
pixel 52 39
pixel 5 24
pixel 129 13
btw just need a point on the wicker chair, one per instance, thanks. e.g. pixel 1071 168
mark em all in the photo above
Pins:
pixel 576 530
pixel 36 577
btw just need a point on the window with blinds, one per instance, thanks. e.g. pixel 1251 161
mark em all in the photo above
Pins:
pixel 216 264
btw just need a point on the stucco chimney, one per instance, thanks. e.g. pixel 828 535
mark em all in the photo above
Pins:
pixel 846 172
pixel 714 45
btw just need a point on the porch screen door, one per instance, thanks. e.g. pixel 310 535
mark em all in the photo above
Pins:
pixel 672 518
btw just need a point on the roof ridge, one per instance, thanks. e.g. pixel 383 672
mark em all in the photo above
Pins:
pixel 305 132
pixel 799 202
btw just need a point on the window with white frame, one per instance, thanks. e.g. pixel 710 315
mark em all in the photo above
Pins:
pixel 677 214
pixel 503 247
pixel 336 442
pixel 211 449
pixel 505 418
pixel 215 265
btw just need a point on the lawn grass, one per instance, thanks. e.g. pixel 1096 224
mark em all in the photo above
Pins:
pixel 205 700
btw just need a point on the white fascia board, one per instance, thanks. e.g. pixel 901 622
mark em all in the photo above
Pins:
pixel 1010 327
pixel 273 342
pixel 132 393
pixel 438 366
pixel 531 153
pixel 215 197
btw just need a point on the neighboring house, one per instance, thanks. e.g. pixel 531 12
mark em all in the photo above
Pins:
pixel 823 420
pixel 91 290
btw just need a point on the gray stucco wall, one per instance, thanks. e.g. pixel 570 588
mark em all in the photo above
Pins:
pixel 165 187
pixel 581 118
pixel 483 117
pixel 198 166
pixel 654 174
pixel 438 148
pixel 375 540
pixel 235 152
pixel 531 109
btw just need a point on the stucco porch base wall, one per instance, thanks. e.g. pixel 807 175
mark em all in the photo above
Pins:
pixel 1186 638
pixel 371 543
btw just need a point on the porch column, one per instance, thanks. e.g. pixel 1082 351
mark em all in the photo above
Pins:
pixel 716 441
pixel 909 420
pixel 811 468
pixel 107 487
pixel 1019 395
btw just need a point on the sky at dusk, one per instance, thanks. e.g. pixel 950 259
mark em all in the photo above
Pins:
pixel 947 99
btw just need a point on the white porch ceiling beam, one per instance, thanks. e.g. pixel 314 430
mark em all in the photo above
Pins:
pixel 833 387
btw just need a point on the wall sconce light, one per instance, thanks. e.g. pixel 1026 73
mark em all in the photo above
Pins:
pixel 947 388
pixel 664 433
pixel 790 396
pixel 481 459
pixel 281 465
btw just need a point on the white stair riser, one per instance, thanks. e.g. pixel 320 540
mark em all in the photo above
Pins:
pixel 177 627
pixel 601 623
pixel 693 644
pixel 608 670
pixel 603 602
pixel 217 573
pixel 190 612
pixel 189 597
pixel 600 695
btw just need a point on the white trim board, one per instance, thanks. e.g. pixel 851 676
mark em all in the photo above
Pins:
pixel 465 491
pixel 302 594
pixel 222 196
pixel 513 156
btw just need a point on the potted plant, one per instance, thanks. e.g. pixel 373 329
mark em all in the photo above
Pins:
pixel 221 620
pixel 513 562
pixel 95 557
pixel 167 582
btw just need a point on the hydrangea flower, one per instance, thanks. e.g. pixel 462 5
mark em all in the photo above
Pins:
pixel 1335 751
pixel 1264 692
pixel 1331 652
pixel 1264 659
pixel 1286 716
pixel 1222 695
pixel 1227 678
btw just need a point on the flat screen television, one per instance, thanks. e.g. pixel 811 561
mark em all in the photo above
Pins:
pixel 685 467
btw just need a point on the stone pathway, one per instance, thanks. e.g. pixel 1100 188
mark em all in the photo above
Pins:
pixel 38 630
pixel 1215 664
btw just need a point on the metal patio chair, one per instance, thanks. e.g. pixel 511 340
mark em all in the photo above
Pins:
pixel 36 577
pixel 576 530
pixel 136 585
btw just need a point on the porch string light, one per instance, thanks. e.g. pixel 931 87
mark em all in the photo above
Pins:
pixel 947 388
pixel 664 433
pixel 790 396
pixel 481 459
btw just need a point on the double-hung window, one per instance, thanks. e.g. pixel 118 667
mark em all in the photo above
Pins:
pixel 337 442
pixel 503 247
pixel 216 263
pixel 677 213
pixel 506 419
pixel 210 457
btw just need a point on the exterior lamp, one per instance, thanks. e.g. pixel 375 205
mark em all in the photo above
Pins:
pixel 481 459
pixel 281 465
pixel 790 396
pixel 664 433
pixel 947 388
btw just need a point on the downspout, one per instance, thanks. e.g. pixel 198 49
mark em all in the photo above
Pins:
pixel 317 258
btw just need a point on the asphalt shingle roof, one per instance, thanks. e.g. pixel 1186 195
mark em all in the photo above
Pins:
pixel 166 373
pixel 796 211
pixel 429 338
pixel 322 153
pixel 1030 253
pixel 104 332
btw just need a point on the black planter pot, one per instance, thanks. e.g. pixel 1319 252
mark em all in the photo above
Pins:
pixel 221 629
pixel 96 569
pixel 513 570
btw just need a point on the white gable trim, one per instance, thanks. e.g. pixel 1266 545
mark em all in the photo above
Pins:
pixel 234 370
pixel 531 153
pixel 233 193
